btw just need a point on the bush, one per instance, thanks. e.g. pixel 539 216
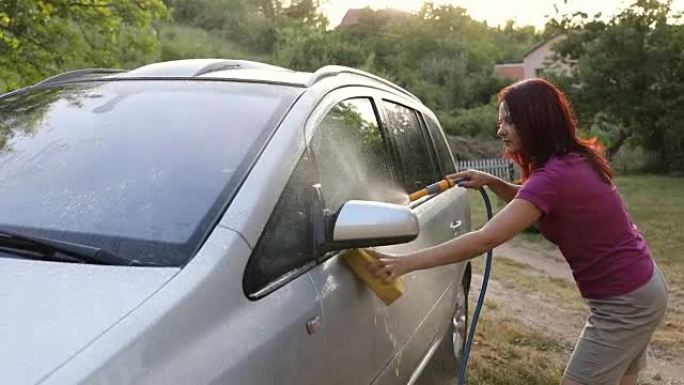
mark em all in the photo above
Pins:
pixel 464 148
pixel 478 121
pixel 186 42
pixel 631 158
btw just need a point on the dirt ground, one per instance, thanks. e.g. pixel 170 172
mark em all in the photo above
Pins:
pixel 559 320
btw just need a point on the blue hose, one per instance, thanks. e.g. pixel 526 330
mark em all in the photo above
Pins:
pixel 485 279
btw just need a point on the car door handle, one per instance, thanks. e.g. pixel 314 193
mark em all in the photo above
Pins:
pixel 455 226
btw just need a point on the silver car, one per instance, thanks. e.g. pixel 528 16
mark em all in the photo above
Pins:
pixel 185 223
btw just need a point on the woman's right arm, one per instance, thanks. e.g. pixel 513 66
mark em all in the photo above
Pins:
pixel 476 179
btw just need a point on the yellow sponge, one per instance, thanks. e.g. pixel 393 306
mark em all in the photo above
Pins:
pixel 358 261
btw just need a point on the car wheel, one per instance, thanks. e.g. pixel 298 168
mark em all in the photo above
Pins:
pixel 459 326
pixel 443 367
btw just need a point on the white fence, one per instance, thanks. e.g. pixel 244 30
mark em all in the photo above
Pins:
pixel 502 168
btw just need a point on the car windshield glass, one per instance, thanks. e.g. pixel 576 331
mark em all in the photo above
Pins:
pixel 142 168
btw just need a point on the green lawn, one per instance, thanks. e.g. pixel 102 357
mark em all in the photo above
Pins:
pixel 506 352
pixel 657 207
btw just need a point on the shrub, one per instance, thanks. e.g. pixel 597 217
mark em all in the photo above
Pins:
pixel 478 121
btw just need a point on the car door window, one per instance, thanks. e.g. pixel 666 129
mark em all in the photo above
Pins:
pixel 405 130
pixel 351 162
pixel 285 246
pixel 446 163
pixel 352 157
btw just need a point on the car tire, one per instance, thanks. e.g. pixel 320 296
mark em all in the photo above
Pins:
pixel 458 330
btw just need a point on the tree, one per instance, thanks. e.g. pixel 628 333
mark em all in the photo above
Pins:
pixel 628 76
pixel 439 53
pixel 42 37
pixel 254 24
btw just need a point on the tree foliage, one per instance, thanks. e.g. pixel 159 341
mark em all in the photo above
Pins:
pixel 43 37
pixel 439 53
pixel 628 78
pixel 251 23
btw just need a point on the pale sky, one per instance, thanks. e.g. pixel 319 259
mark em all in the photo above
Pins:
pixel 495 12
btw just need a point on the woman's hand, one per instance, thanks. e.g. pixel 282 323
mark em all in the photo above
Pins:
pixel 472 178
pixel 389 267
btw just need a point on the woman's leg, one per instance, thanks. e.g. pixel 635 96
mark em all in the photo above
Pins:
pixel 629 379
pixel 632 372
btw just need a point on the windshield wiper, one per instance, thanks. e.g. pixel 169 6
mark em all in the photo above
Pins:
pixel 48 247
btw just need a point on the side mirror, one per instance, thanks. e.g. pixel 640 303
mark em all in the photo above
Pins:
pixel 375 222
pixel 361 224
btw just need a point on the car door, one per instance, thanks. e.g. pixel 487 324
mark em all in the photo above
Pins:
pixel 458 210
pixel 284 315
pixel 353 161
pixel 425 309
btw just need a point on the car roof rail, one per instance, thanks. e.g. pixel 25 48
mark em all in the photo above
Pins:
pixel 196 67
pixel 334 70
pixel 71 75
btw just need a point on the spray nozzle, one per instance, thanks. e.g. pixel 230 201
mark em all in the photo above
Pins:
pixel 435 188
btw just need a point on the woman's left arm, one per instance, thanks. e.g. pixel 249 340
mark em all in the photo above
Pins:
pixel 515 217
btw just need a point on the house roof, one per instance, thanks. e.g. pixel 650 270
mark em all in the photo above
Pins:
pixel 541 44
pixel 515 71
pixel 353 16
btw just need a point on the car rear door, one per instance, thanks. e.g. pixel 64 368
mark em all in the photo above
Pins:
pixel 424 311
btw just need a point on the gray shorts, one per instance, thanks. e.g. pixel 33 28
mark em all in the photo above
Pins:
pixel 615 339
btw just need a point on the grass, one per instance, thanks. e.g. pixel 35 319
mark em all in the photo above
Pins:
pixel 657 207
pixel 507 352
pixel 478 215
pixel 515 275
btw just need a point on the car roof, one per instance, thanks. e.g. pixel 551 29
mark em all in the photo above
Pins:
pixel 225 69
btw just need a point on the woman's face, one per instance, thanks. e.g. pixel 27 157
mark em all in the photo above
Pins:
pixel 507 131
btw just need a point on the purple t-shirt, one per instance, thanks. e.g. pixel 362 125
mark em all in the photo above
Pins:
pixel 587 219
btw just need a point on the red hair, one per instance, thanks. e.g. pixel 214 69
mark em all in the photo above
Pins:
pixel 546 125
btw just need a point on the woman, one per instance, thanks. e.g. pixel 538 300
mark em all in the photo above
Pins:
pixel 568 190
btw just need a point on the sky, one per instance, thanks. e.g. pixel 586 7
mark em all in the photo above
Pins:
pixel 494 12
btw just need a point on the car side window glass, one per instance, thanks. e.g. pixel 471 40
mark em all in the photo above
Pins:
pixel 350 161
pixel 352 157
pixel 405 130
pixel 446 163
pixel 286 243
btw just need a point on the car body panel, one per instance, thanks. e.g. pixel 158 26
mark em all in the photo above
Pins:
pixel 405 366
pixel 200 328
pixel 61 308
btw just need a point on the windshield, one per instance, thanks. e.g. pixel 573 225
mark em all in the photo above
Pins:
pixel 142 168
